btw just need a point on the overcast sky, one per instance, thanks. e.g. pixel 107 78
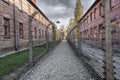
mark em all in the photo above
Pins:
pixel 61 10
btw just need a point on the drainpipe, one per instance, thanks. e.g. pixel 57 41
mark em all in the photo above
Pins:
pixel 15 35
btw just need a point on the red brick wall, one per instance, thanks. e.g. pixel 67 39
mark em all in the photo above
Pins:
pixel 6 10
pixel 22 16
pixel 91 27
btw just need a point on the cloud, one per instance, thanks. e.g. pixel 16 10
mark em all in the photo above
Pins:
pixel 61 9
pixel 65 3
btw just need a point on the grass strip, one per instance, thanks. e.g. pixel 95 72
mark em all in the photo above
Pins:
pixel 11 62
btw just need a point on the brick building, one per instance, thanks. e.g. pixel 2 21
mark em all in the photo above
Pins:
pixel 91 24
pixel 14 15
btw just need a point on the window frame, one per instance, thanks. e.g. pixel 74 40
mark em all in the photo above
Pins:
pixel 100 9
pixel 91 16
pixel 43 33
pixel 87 19
pixel 6 28
pixel 21 31
pixel 35 33
pixel 95 13
pixel 39 33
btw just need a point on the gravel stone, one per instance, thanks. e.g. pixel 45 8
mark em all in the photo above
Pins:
pixel 59 64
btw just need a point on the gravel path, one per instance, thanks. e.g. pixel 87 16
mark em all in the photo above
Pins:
pixel 59 64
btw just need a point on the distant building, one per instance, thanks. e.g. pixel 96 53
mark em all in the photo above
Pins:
pixel 58 35
pixel 22 10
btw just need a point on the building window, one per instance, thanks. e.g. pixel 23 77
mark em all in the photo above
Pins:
pixel 95 13
pixel 95 33
pixel 91 16
pixel 113 24
pixel 42 20
pixel 87 19
pixel 101 31
pixel 43 33
pixel 39 33
pixel 35 33
pixel 112 3
pixel 100 9
pixel 6 27
pixel 21 31
pixel 20 4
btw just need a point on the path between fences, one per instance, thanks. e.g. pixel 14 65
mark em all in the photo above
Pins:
pixel 59 64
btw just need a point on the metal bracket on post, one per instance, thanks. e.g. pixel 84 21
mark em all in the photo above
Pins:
pixel 31 39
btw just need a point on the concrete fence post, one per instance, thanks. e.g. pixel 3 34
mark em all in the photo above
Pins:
pixel 31 39
pixel 79 42
pixel 108 53
pixel 46 36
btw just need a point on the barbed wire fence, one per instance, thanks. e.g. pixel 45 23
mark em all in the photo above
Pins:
pixel 91 46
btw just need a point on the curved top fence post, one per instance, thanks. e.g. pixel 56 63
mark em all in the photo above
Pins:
pixel 31 38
